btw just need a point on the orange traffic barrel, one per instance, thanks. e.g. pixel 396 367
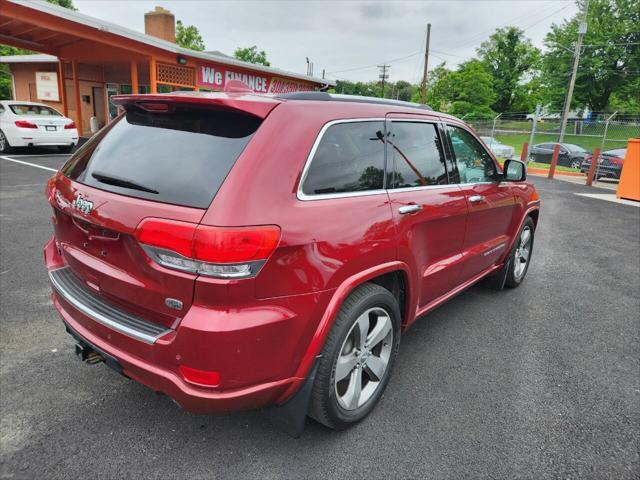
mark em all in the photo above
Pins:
pixel 629 186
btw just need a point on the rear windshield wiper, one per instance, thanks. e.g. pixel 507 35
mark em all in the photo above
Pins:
pixel 121 182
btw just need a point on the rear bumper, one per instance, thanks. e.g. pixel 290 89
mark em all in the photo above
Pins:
pixel 25 138
pixel 256 352
pixel 603 170
pixel 188 397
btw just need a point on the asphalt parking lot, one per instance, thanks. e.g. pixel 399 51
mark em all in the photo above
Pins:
pixel 538 382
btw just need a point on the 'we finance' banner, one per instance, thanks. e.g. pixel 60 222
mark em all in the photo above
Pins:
pixel 216 76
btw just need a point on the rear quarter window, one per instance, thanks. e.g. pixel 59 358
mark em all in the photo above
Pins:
pixel 348 158
pixel 181 157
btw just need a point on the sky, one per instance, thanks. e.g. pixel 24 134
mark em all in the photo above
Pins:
pixel 347 39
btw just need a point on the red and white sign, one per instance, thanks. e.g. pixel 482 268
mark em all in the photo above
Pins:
pixel 47 86
pixel 215 77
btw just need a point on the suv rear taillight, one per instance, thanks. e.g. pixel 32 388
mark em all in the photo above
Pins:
pixel 25 124
pixel 221 252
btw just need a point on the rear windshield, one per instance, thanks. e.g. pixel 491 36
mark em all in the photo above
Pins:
pixel 180 157
pixel 34 110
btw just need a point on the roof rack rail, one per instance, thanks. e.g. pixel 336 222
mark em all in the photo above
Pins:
pixel 327 97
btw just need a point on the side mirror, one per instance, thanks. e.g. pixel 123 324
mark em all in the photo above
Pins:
pixel 514 171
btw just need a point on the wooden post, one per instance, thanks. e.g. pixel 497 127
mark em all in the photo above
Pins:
pixel 134 77
pixel 554 160
pixel 63 88
pixel 523 155
pixel 76 91
pixel 593 166
pixel 153 79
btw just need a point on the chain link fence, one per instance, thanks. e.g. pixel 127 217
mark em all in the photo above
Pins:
pixel 605 131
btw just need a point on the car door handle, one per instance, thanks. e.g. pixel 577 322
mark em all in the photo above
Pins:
pixel 405 209
pixel 476 198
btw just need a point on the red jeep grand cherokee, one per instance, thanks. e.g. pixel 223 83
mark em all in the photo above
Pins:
pixel 237 251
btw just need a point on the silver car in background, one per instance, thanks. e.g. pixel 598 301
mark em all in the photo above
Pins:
pixel 499 149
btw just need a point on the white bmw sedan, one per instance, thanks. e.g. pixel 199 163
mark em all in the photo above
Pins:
pixel 29 124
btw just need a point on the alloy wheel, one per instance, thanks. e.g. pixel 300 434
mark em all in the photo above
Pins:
pixel 3 142
pixel 364 357
pixel 523 251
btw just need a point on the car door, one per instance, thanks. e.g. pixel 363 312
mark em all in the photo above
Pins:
pixel 542 153
pixel 564 156
pixel 491 204
pixel 429 213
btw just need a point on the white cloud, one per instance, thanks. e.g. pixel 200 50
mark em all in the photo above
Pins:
pixel 340 36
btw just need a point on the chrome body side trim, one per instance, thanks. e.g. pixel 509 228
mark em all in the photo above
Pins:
pixel 305 171
pixel 306 197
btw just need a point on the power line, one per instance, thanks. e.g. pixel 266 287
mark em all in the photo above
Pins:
pixel 375 64
pixel 474 38
pixel 456 45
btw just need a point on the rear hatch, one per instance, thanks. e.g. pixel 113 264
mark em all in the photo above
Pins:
pixel 164 158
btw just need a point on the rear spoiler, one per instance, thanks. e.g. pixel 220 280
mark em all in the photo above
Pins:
pixel 256 105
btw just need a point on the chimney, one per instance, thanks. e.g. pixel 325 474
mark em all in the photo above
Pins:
pixel 160 23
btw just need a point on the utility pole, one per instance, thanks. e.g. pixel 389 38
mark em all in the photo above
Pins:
pixel 384 75
pixel 582 29
pixel 426 63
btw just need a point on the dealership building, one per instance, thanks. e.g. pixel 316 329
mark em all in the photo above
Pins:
pixel 82 61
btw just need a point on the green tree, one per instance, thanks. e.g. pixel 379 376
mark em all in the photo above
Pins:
pixel 6 50
pixel 439 88
pixel 64 3
pixel 5 73
pixel 188 36
pixel 610 59
pixel 472 90
pixel 402 90
pixel 508 56
pixel 252 55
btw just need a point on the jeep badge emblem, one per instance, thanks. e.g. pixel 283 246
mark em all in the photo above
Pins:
pixel 85 206
pixel 173 303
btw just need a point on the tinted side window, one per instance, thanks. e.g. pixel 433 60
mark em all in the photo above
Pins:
pixel 349 158
pixel 416 152
pixel 472 160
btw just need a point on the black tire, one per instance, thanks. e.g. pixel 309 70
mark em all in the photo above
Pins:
pixel 514 278
pixel 4 144
pixel 65 148
pixel 575 163
pixel 325 407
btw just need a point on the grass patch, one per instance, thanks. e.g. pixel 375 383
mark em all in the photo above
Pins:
pixel 545 166
pixel 589 143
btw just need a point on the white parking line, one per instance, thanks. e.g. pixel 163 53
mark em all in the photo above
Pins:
pixel 42 155
pixel 29 164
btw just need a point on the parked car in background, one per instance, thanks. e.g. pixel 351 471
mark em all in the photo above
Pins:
pixel 571 155
pixel 609 164
pixel 30 124
pixel 499 149
pixel 299 297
